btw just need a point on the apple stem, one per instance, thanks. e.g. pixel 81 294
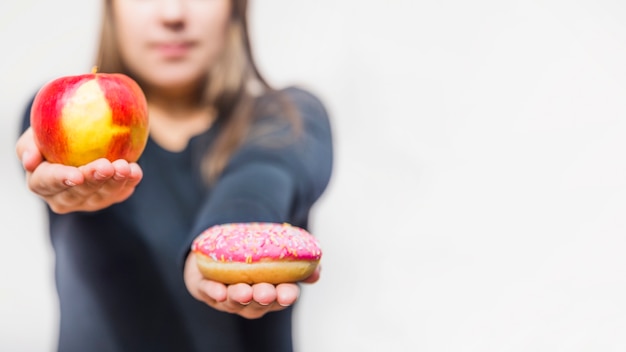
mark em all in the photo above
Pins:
pixel 94 70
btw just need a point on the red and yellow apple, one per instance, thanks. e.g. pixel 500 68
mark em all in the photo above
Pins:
pixel 78 119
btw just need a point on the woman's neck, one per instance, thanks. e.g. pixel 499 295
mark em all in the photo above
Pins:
pixel 173 122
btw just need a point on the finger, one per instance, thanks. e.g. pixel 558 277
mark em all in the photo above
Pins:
pixel 31 159
pixel 214 290
pixel 264 293
pixel 136 173
pixel 287 294
pixel 97 172
pixel 121 170
pixel 197 286
pixel 25 141
pixel 119 186
pixel 240 293
pixel 51 179
pixel 27 151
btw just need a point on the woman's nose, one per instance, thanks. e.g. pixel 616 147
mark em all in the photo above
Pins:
pixel 173 12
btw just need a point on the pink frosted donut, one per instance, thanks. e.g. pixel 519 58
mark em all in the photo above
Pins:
pixel 256 252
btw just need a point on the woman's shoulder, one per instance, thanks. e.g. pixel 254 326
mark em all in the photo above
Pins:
pixel 291 109
pixel 302 94
pixel 304 100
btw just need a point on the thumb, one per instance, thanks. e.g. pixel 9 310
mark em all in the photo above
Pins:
pixel 27 151
pixel 313 278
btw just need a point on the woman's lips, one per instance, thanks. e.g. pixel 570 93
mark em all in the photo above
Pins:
pixel 173 50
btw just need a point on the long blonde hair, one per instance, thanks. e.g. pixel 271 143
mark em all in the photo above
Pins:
pixel 228 88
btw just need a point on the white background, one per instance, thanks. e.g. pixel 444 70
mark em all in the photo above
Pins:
pixel 479 192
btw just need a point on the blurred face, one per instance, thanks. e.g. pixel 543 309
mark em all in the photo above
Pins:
pixel 171 44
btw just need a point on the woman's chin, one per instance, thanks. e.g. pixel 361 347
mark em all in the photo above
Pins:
pixel 175 86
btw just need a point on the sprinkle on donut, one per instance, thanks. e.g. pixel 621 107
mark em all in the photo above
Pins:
pixel 255 241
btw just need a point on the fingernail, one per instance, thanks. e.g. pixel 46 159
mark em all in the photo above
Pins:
pixel 245 304
pixel 118 176
pixel 97 175
pixel 69 183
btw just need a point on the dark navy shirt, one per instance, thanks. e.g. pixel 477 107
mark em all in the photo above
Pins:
pixel 119 271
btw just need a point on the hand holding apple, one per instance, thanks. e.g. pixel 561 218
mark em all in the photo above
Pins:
pixel 90 187
pixel 79 119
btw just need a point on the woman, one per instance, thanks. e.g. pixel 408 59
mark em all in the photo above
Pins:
pixel 224 147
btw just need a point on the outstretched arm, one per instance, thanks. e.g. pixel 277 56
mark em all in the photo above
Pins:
pixel 265 184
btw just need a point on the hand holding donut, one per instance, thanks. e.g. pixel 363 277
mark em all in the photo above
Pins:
pixel 251 268
pixel 91 187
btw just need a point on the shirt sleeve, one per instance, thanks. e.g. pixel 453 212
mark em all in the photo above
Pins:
pixel 275 176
